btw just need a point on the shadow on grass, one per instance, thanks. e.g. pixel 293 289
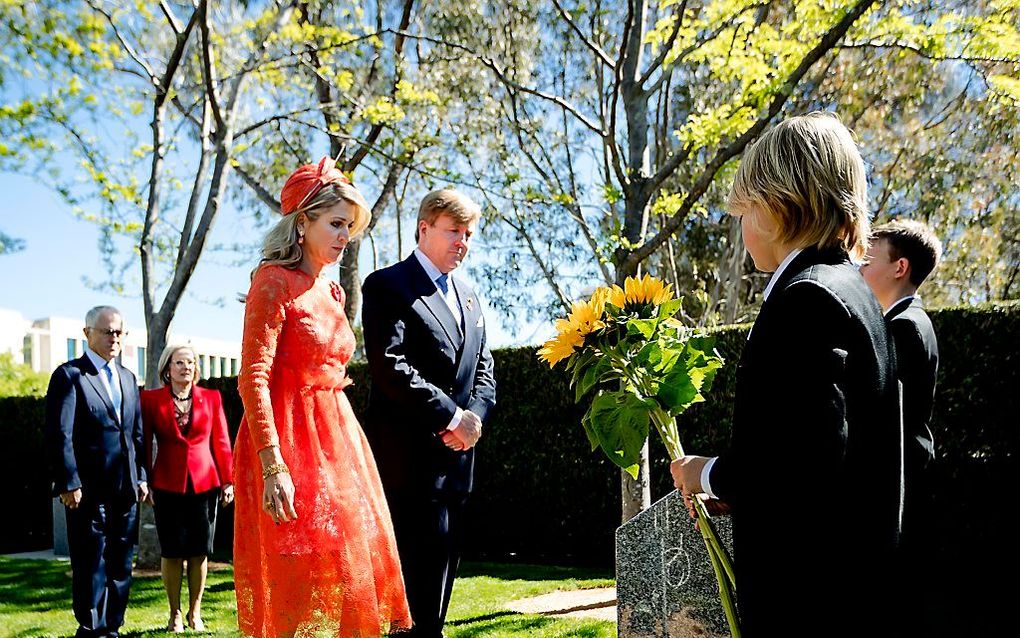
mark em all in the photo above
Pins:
pixel 30 632
pixel 227 585
pixel 524 625
pixel 503 571
pixel 35 585
pixel 486 617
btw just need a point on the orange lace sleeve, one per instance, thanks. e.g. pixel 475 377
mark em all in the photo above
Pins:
pixel 264 314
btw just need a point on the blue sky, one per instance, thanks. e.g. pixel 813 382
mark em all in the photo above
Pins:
pixel 46 278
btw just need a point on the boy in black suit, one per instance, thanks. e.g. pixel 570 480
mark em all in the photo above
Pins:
pixel 813 472
pixel 902 255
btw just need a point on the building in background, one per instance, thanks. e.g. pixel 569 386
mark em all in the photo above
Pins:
pixel 46 343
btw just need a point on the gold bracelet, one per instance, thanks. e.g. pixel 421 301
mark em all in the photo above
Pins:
pixel 275 468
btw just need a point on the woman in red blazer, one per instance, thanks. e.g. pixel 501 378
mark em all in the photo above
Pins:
pixel 190 474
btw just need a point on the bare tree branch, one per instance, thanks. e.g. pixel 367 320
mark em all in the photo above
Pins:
pixel 259 190
pixel 511 85
pixel 906 46
pixel 175 24
pixel 130 50
pixel 595 48
pixel 208 68
pixel 198 187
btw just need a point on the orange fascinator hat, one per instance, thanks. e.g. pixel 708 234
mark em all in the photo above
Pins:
pixel 306 181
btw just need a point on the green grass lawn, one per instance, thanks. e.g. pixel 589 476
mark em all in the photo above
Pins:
pixel 35 602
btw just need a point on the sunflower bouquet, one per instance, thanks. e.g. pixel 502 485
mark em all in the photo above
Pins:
pixel 643 368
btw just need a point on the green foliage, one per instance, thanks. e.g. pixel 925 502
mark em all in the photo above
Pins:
pixel 645 366
pixel 19 380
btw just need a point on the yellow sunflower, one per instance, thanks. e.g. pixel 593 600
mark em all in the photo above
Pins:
pixel 561 346
pixel 647 289
pixel 586 316
pixel 638 291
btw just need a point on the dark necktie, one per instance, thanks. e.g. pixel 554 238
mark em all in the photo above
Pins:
pixel 441 283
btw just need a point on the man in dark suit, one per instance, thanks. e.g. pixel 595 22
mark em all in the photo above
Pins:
pixel 432 389
pixel 902 255
pixel 94 441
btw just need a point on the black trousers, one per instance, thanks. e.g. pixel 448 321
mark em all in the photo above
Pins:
pixel 429 529
pixel 101 537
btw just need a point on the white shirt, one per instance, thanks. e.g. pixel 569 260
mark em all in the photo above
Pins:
pixel 451 301
pixel 705 471
pixel 450 296
pixel 101 363
pixel 896 303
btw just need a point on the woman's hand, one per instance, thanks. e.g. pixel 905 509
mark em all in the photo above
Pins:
pixel 278 498
pixel 227 495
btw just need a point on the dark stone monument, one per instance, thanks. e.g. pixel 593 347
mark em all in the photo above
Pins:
pixel 59 529
pixel 665 584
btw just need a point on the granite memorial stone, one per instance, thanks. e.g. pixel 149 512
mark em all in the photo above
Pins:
pixel 666 587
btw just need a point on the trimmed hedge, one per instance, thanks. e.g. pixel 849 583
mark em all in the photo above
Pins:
pixel 542 495
pixel 26 479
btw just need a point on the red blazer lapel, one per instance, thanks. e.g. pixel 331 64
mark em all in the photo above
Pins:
pixel 199 412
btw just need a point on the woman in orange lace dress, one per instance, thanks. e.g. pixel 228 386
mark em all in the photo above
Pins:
pixel 313 543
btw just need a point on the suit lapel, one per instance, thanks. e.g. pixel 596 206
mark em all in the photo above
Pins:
pixel 197 409
pixel 126 392
pixel 97 384
pixel 430 295
pixel 169 421
pixel 471 313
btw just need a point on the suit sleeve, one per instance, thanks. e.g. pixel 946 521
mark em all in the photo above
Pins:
pixel 141 463
pixel 264 315
pixel 795 397
pixel 59 432
pixel 483 394
pixel 220 441
pixel 392 374
pixel 910 351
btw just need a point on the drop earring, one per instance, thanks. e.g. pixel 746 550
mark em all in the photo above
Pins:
pixel 300 238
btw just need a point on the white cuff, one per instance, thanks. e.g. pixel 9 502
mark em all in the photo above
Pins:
pixel 705 471
pixel 455 421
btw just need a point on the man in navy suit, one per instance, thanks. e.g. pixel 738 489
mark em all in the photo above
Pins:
pixel 902 255
pixel 432 389
pixel 94 441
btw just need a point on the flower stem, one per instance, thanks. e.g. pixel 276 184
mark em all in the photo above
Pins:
pixel 721 563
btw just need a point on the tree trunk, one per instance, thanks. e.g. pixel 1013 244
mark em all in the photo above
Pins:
pixel 350 280
pixel 636 494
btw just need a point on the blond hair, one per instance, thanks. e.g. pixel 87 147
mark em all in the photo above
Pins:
pixel 281 245
pixel 808 176
pixel 447 201
pixel 167 354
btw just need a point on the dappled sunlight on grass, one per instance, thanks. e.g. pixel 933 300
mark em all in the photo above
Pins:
pixel 35 602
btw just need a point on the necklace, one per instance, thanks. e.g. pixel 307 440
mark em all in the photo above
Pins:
pixel 182 416
pixel 180 398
